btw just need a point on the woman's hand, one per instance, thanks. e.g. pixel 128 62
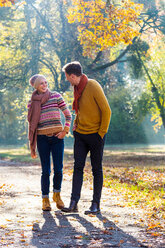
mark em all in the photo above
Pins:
pixel 33 155
pixel 61 134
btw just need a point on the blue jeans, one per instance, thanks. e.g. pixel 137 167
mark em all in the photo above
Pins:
pixel 47 146
pixel 83 144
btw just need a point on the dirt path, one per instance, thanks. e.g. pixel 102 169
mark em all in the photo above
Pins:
pixel 23 224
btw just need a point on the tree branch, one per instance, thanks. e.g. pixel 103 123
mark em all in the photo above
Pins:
pixel 145 23
pixel 154 90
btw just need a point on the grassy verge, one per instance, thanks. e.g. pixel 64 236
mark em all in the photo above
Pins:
pixel 17 154
pixel 140 187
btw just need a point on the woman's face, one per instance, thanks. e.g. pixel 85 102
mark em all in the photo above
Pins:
pixel 43 86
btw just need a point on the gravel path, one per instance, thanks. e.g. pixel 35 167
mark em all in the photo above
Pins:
pixel 24 224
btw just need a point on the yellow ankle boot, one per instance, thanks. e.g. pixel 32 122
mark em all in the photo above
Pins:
pixel 57 199
pixel 46 204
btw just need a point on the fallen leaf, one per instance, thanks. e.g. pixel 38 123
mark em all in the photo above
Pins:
pixel 107 232
pixel 155 234
pixel 22 240
pixel 78 236
pixel 3 226
pixel 121 241
pixel 91 215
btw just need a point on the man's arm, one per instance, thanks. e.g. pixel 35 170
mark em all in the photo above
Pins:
pixel 105 109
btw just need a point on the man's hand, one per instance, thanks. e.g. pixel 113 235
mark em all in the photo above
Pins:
pixel 74 127
pixel 61 134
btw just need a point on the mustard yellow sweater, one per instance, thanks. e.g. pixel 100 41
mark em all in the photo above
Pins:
pixel 94 111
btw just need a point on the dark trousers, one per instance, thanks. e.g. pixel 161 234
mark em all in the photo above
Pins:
pixel 47 146
pixel 83 144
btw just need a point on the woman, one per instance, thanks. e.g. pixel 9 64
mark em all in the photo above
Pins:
pixel 46 130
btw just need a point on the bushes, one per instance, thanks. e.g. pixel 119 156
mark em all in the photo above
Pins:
pixel 124 128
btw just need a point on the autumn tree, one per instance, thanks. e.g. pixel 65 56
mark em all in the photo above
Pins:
pixel 102 24
pixel 108 24
pixel 6 3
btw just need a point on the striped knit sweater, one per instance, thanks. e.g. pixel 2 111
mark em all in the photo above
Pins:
pixel 50 117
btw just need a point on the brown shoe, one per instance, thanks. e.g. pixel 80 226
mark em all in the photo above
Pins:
pixel 46 204
pixel 57 199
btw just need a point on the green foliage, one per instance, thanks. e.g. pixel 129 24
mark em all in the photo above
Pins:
pixel 135 65
pixel 155 77
pixel 10 124
pixel 124 127
pixel 143 105
pixel 33 40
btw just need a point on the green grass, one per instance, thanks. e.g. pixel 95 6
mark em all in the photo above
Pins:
pixel 136 148
pixel 16 154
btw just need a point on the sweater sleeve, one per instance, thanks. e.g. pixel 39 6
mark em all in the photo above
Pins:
pixel 105 109
pixel 62 105
pixel 28 104
pixel 28 108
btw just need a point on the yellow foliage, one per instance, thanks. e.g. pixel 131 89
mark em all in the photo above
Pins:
pixel 6 3
pixel 101 26
pixel 158 121
pixel 157 72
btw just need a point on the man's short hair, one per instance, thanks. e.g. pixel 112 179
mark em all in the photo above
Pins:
pixel 73 68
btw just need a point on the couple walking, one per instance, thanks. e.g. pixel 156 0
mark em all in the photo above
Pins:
pixel 89 128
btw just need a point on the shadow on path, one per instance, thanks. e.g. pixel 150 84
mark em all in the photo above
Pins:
pixel 72 230
pixel 21 206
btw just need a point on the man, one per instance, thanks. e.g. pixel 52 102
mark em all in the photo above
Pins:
pixel 90 126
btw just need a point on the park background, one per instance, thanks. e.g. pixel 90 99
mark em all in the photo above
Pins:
pixel 119 43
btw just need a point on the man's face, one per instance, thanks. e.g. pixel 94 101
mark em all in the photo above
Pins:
pixel 73 79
